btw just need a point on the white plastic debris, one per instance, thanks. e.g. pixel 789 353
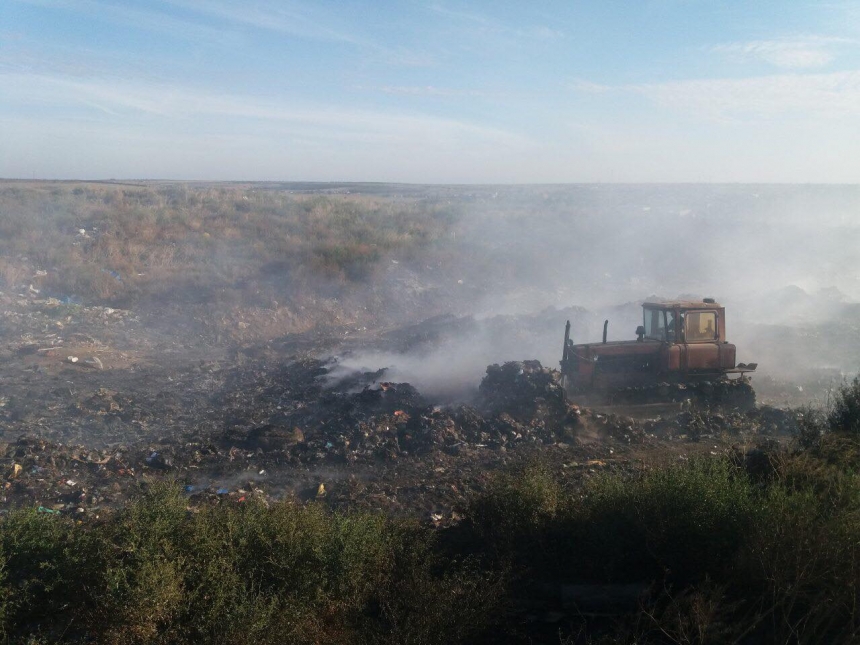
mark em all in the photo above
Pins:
pixel 72 359
pixel 94 362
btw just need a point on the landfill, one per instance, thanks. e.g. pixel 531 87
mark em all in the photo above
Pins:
pixel 96 404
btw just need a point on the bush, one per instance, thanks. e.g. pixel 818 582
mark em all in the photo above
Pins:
pixel 844 413
pixel 681 523
pixel 514 514
pixel 158 573
pixel 811 424
pixel 725 557
pixel 50 570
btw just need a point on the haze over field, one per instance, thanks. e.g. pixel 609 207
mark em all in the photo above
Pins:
pixel 439 92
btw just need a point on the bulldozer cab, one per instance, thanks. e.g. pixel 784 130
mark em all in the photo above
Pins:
pixel 682 322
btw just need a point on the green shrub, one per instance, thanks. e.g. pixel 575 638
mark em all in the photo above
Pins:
pixel 682 522
pixel 235 573
pixel 811 425
pixel 514 514
pixel 653 525
pixel 844 413
pixel 50 570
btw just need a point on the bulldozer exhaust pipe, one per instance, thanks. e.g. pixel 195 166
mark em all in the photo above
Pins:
pixel 605 328
pixel 566 341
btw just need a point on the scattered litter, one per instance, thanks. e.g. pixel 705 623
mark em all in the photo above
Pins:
pixel 93 362
pixel 159 461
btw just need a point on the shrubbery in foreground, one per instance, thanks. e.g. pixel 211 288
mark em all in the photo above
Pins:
pixel 235 574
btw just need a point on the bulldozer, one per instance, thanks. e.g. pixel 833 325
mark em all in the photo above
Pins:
pixel 680 356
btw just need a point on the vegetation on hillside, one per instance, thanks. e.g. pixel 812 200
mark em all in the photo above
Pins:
pixel 117 243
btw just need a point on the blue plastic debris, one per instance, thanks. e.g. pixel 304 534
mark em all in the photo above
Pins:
pixel 222 491
pixel 189 489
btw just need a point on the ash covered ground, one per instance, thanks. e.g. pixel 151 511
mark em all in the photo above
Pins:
pixel 402 381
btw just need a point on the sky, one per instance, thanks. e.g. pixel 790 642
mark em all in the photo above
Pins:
pixel 431 92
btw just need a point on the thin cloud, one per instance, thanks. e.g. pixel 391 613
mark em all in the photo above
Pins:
pixel 486 25
pixel 809 52
pixel 807 95
pixel 429 90
pixel 148 20
pixel 301 21
pixel 589 87
pixel 284 18
pixel 176 104
pixel 813 97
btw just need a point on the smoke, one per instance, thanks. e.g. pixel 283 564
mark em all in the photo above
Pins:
pixel 780 258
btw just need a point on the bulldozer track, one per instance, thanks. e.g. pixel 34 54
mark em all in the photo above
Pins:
pixel 723 393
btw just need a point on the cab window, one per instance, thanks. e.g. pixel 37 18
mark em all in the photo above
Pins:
pixel 655 324
pixel 701 325
pixel 670 325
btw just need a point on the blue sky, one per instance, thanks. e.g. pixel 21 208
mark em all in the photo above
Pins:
pixel 479 92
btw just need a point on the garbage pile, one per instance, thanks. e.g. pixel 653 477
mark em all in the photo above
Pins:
pixel 518 402
pixel 529 393
pixel 697 423
pixel 271 428
pixel 525 400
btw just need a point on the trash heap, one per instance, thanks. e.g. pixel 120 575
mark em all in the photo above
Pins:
pixel 518 402
pixel 526 391
pixel 269 430
pixel 697 423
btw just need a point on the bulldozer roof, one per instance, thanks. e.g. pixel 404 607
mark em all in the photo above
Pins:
pixel 684 304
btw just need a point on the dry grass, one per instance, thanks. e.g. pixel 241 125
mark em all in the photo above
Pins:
pixel 139 238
